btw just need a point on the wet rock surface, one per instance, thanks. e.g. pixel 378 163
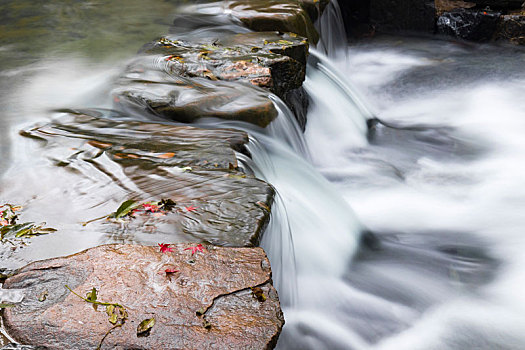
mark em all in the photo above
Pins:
pixel 219 298
pixel 215 77
pixel 192 166
pixel 281 15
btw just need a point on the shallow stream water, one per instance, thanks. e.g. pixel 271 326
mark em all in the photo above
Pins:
pixel 405 236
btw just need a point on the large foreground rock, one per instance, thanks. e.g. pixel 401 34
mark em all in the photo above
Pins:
pixel 213 302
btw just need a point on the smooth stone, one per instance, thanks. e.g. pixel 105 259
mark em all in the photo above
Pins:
pixel 213 301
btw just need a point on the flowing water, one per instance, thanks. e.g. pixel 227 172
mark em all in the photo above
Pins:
pixel 398 219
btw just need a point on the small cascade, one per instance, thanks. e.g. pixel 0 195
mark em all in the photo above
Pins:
pixel 337 113
pixel 332 32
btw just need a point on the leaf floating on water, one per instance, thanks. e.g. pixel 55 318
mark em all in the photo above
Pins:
pixel 98 144
pixel 43 296
pixel 26 229
pixel 190 208
pixel 144 328
pixel 166 155
pixel 124 209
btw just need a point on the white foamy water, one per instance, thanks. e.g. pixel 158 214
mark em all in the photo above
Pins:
pixel 442 193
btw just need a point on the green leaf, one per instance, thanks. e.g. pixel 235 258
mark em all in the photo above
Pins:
pixel 113 318
pixel 110 310
pixel 19 230
pixel 124 209
pixel 145 326
pixel 3 306
pixel 92 296
pixel 43 296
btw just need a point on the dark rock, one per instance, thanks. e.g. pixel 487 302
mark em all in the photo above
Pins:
pixel 475 25
pixel 512 28
pixel 403 15
pixel 210 302
pixel 314 8
pixel 269 15
pixel 356 16
pixel 297 100
pixel 500 4
pixel 232 206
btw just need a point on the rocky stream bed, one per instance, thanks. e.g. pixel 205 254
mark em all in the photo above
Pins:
pixel 206 284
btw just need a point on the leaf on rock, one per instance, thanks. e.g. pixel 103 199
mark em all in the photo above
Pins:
pixel 92 297
pixel 144 328
pixel 43 296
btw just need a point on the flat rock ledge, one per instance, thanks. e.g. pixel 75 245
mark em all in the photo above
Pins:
pixel 220 298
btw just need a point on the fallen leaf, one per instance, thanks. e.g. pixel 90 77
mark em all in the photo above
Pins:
pixel 258 294
pixel 165 248
pixel 124 209
pixel 92 297
pixel 98 144
pixel 166 155
pixel 144 327
pixel 151 207
pixel 43 296
pixel 197 248
pixel 190 208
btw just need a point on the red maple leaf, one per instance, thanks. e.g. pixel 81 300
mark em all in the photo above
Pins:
pixel 190 208
pixel 195 249
pixel 168 271
pixel 153 208
pixel 165 248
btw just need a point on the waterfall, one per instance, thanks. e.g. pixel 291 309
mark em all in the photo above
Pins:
pixel 331 30
pixel 313 233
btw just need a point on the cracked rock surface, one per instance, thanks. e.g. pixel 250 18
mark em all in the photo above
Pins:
pixel 213 302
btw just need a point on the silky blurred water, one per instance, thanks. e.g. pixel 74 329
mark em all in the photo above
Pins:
pixel 404 236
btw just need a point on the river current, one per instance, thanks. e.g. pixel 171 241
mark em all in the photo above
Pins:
pixel 398 222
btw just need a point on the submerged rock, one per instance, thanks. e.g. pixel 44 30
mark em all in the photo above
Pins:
pixel 185 81
pixel 191 166
pixel 217 298
pixel 468 24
